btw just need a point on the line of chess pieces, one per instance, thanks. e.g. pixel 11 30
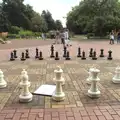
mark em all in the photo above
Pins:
pixel 66 54
pixel 59 94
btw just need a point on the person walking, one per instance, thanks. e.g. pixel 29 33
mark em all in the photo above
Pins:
pixel 111 37
pixel 62 37
pixel 57 37
pixel 118 37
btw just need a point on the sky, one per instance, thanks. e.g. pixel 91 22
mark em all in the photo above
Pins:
pixel 58 8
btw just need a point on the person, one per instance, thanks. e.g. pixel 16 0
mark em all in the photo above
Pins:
pixel 112 37
pixel 62 37
pixel 57 37
pixel 43 36
pixel 118 37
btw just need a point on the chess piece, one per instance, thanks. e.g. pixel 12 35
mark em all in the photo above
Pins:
pixel 37 52
pixel 91 52
pixel 25 95
pixel 65 51
pixel 3 83
pixel 79 52
pixel 58 95
pixel 52 51
pixel 23 57
pixel 67 56
pixel 40 57
pixel 27 54
pixel 56 56
pixel 89 78
pixel 109 55
pixel 83 56
pixel 94 56
pixel 93 92
pixel 101 52
pixel 15 53
pixel 12 56
pixel 116 78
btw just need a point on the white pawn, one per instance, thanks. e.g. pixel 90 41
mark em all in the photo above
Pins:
pixel 93 92
pixel 3 83
pixel 58 95
pixel 116 78
pixel 25 95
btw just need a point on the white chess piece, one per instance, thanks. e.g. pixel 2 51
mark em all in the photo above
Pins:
pixel 93 92
pixel 116 78
pixel 25 96
pixel 58 95
pixel 3 83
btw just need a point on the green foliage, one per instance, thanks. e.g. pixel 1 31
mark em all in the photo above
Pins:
pixel 15 29
pixel 90 35
pixel 25 33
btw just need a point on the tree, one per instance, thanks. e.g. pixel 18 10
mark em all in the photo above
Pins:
pixel 59 25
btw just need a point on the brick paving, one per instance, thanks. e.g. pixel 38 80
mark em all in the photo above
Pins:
pixel 77 105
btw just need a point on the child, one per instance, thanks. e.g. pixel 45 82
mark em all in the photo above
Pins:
pixel 111 38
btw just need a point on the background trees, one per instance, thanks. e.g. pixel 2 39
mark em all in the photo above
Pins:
pixel 94 16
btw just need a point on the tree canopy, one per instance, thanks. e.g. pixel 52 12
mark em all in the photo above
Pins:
pixel 15 13
pixel 94 16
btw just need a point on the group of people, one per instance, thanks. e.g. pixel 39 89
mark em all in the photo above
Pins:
pixel 113 36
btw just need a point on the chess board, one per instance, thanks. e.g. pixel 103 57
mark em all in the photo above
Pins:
pixel 75 74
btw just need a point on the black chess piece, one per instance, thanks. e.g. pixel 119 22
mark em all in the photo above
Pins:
pixel 40 57
pixel 15 53
pixel 68 56
pixel 12 56
pixel 83 56
pixel 52 51
pixel 65 51
pixel 27 54
pixel 37 53
pixel 56 56
pixel 109 55
pixel 101 52
pixel 91 52
pixel 94 56
pixel 79 52
pixel 23 56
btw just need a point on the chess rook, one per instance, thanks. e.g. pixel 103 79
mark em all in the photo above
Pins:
pixel 65 51
pixel 79 52
pixel 93 92
pixel 25 95
pixel 83 56
pixel 109 55
pixel 12 56
pixel 3 83
pixel 40 56
pixel 52 51
pixel 23 56
pixel 27 54
pixel 101 52
pixel 15 53
pixel 56 56
pixel 58 95
pixel 37 53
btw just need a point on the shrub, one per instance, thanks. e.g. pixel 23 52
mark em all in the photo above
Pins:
pixel 26 34
pixel 15 29
pixel 90 35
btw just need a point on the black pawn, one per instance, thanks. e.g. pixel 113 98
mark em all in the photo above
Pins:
pixel 79 52
pixel 94 56
pixel 15 53
pixel 40 57
pixel 91 52
pixel 101 53
pixel 65 51
pixel 37 53
pixel 56 56
pixel 12 56
pixel 109 55
pixel 83 56
pixel 52 51
pixel 23 57
pixel 27 54
pixel 67 56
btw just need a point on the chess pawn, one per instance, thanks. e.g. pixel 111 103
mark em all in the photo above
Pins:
pixel 40 57
pixel 56 56
pixel 68 56
pixel 37 52
pixel 116 78
pixel 23 57
pixel 25 95
pixel 109 55
pixel 3 83
pixel 94 56
pixel 65 51
pixel 79 52
pixel 15 53
pixel 83 56
pixel 12 56
pixel 101 53
pixel 91 52
pixel 52 51
pixel 27 54
pixel 58 95
pixel 93 92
